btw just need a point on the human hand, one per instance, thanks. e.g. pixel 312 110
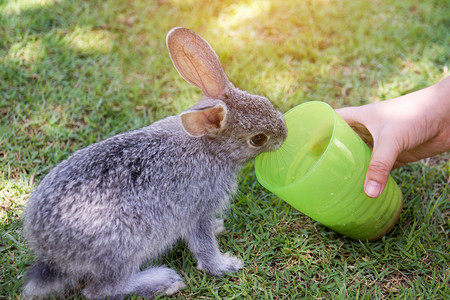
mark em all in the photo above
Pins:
pixel 402 130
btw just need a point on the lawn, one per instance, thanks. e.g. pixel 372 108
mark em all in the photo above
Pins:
pixel 76 72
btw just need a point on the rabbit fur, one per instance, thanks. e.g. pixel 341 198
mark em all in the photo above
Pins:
pixel 99 215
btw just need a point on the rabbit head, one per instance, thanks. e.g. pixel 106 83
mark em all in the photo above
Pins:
pixel 245 124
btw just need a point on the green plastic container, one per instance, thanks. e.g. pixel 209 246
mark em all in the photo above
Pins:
pixel 320 171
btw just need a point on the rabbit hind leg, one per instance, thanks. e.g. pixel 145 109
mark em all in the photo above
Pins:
pixel 155 280
pixel 44 279
pixel 147 283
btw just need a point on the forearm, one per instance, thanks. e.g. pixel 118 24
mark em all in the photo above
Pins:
pixel 427 113
pixel 440 114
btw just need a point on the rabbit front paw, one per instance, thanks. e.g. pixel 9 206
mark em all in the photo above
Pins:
pixel 218 226
pixel 225 263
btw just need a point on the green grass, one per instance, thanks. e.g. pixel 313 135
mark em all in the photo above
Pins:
pixel 75 72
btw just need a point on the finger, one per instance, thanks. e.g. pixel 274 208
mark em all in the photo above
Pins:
pixel 348 114
pixel 381 163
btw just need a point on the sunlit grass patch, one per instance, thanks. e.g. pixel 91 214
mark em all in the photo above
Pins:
pixel 13 196
pixel 26 53
pixel 15 7
pixel 87 40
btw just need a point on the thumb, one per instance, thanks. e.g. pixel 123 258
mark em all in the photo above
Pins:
pixel 381 163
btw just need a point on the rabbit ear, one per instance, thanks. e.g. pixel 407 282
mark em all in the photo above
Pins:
pixel 204 121
pixel 197 62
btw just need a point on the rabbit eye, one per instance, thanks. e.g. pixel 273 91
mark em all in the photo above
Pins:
pixel 258 140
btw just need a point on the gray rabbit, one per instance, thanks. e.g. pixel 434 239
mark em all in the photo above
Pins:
pixel 107 209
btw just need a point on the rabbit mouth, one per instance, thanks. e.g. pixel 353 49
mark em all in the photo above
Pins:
pixel 275 146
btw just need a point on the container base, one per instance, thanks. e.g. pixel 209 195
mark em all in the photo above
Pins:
pixel 393 221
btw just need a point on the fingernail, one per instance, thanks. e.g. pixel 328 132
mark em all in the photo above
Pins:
pixel 373 189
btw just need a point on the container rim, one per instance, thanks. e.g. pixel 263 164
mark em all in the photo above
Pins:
pixel 311 170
